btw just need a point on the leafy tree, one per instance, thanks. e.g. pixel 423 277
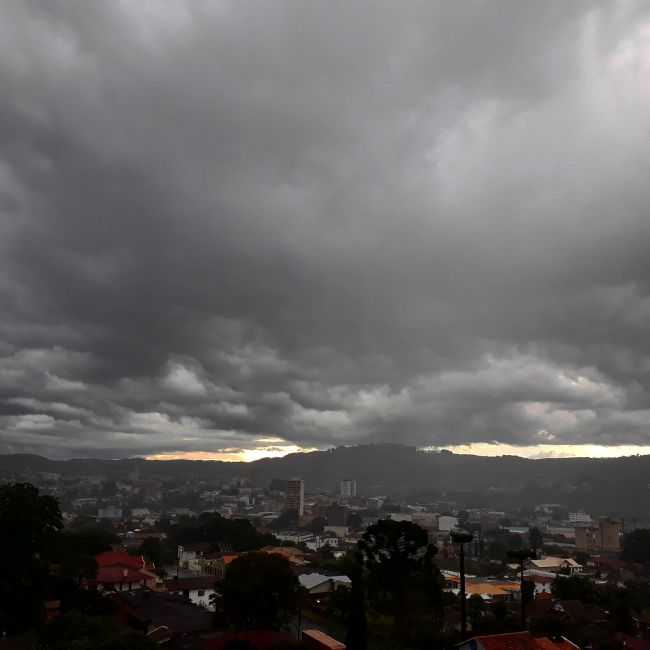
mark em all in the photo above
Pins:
pixel 152 550
pixel 475 611
pixel 75 551
pixel 29 523
pixel 574 588
pixel 317 525
pixel 355 521
pixel 80 632
pixel 259 591
pixel 357 632
pixel 636 546
pixel 402 580
pixel 535 539
pixel 226 534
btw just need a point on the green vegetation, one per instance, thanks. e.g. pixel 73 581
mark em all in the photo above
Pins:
pixel 259 592
pixel 224 534
pixel 403 583
pixel 636 546
pixel 29 523
pixel 81 632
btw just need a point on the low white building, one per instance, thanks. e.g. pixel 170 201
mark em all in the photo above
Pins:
pixel 319 542
pixel 197 590
pixel 318 583
pixel 294 536
pixel 140 513
pixel 447 523
pixel 556 565
pixel 543 580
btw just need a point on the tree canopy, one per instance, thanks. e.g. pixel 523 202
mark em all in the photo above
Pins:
pixel 403 582
pixel 225 534
pixel 81 632
pixel 575 588
pixel 29 522
pixel 259 592
pixel 636 546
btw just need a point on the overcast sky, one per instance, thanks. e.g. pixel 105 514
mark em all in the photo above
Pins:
pixel 255 225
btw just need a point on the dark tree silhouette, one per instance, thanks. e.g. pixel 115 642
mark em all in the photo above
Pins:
pixel 636 546
pixel 574 588
pixel 231 534
pixel 259 591
pixel 75 551
pixel 402 580
pixel 81 632
pixel 535 539
pixel 357 632
pixel 29 523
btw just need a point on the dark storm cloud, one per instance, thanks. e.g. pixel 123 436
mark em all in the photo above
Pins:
pixel 224 224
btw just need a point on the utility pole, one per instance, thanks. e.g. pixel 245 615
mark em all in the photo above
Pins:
pixel 462 537
pixel 520 556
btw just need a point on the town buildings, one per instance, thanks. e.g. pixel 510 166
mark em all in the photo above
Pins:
pixel 197 589
pixel 348 488
pixel 603 536
pixel 119 571
pixel 296 496
pixel 555 565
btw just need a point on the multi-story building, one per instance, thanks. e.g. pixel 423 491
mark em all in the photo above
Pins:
pixel 579 517
pixel 110 512
pixel 296 496
pixel 602 536
pixel 348 488
pixel 611 533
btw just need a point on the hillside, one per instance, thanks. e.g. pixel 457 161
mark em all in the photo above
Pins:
pixel 619 485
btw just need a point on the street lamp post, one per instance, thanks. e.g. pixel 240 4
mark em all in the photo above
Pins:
pixel 462 537
pixel 520 556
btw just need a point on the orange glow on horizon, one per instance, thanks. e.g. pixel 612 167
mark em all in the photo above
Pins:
pixel 236 455
pixel 233 455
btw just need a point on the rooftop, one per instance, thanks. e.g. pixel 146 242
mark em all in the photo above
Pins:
pixel 311 580
pixel 518 641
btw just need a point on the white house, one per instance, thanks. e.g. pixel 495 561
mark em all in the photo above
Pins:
pixel 447 523
pixel 319 542
pixel 294 536
pixel 543 580
pixel 197 589
pixel 318 583
pixel 556 565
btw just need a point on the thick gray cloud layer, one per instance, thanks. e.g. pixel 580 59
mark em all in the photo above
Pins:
pixel 324 223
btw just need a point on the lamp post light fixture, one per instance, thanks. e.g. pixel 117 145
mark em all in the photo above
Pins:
pixel 520 556
pixel 462 537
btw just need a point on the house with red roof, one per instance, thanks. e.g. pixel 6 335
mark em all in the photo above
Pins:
pixel 255 639
pixel 119 571
pixel 516 641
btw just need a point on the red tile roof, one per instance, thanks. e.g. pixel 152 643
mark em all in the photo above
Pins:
pixel 259 640
pixel 116 574
pixel 117 558
pixel 318 639
pixel 543 643
pixel 522 641
pixel 511 641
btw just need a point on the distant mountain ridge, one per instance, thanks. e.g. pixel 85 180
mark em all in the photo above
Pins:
pixel 618 486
